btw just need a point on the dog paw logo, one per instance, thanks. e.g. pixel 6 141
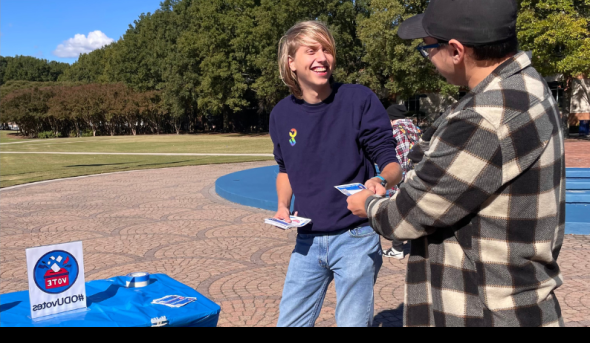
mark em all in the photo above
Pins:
pixel 293 134
pixel 56 272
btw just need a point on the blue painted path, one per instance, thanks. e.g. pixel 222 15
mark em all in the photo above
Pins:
pixel 256 188
pixel 253 187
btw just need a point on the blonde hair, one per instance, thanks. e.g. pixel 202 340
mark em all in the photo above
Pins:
pixel 304 33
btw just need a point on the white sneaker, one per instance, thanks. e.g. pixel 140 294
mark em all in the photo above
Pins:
pixel 399 255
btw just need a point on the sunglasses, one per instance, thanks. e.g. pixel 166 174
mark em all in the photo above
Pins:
pixel 424 50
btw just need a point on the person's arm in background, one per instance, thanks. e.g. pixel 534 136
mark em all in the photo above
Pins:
pixel 378 142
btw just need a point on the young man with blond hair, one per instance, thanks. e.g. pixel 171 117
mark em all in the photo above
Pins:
pixel 327 134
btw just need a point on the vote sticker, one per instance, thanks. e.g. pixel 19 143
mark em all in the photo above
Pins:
pixel 56 272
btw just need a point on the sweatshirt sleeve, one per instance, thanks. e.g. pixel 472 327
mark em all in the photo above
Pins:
pixel 460 171
pixel 274 135
pixel 376 136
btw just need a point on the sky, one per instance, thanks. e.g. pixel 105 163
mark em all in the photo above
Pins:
pixel 59 30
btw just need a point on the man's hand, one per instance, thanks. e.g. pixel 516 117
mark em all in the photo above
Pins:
pixel 284 214
pixel 356 203
pixel 374 185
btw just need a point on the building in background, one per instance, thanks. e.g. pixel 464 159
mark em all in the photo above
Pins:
pixel 425 108
pixel 580 105
pixel 575 110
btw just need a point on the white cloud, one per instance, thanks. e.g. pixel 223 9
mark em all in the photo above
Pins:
pixel 81 44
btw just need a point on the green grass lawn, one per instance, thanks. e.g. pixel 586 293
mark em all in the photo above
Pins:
pixel 8 136
pixel 18 169
pixel 205 143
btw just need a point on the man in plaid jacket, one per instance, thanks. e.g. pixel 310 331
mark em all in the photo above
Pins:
pixel 485 205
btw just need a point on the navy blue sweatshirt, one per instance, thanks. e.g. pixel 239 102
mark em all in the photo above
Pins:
pixel 335 142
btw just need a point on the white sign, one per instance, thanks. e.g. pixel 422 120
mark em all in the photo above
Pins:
pixel 56 279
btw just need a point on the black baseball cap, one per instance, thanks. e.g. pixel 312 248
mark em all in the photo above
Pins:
pixel 471 22
pixel 396 112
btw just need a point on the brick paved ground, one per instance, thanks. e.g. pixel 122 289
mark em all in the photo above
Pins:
pixel 170 221
pixel 578 153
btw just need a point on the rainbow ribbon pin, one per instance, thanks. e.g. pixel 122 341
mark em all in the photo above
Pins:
pixel 293 134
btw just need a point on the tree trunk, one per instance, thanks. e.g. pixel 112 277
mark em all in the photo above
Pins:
pixel 225 122
pixel 176 122
pixel 93 129
pixel 77 127
pixel 110 128
pixel 54 126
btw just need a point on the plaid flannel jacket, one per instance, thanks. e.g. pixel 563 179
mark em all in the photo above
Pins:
pixel 406 135
pixel 485 208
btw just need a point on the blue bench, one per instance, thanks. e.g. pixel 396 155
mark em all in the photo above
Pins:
pixel 577 210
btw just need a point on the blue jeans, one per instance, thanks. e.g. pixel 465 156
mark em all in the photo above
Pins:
pixel 352 258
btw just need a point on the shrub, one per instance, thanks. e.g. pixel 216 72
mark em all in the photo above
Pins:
pixel 46 134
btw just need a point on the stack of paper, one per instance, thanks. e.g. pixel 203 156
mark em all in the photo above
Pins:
pixel 295 222
pixel 174 301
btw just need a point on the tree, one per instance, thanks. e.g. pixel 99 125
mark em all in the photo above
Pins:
pixel 394 69
pixel 3 65
pixel 26 68
pixel 55 118
pixel 89 68
pixel 80 105
pixel 214 39
pixel 60 106
pixel 203 63
pixel 28 108
pixel 181 72
pixel 130 113
pixel 558 34
pixel 14 85
pixel 151 109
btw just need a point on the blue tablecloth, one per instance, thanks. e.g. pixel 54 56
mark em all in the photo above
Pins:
pixel 110 303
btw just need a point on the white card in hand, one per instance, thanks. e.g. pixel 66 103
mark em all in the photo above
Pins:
pixel 351 189
pixel 296 222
